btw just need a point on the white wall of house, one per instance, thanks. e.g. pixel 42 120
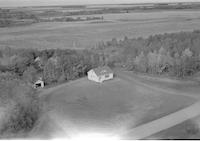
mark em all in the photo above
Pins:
pixel 42 84
pixel 92 76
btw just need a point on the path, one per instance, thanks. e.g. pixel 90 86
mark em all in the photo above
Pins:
pixel 163 123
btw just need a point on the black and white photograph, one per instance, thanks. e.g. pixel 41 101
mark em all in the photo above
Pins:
pixel 99 70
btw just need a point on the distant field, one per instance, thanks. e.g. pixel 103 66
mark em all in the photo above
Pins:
pixel 79 35
pixel 117 5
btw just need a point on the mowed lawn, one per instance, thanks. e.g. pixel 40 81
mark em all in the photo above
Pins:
pixel 189 87
pixel 76 35
pixel 114 106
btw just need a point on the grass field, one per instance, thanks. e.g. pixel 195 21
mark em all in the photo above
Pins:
pixel 114 106
pixel 189 87
pixel 85 34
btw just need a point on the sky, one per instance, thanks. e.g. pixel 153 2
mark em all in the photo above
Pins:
pixel 7 3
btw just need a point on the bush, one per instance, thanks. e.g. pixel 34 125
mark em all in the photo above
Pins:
pixel 21 118
pixel 22 108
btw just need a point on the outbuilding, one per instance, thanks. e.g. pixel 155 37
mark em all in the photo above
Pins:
pixel 39 84
pixel 100 74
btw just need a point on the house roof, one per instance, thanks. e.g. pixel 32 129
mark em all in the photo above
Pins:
pixel 37 59
pixel 102 70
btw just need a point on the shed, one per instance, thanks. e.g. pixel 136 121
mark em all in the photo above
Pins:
pixel 100 74
pixel 39 84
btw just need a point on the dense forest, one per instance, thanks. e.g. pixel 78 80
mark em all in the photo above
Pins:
pixel 175 54
pixel 172 54
pixel 53 65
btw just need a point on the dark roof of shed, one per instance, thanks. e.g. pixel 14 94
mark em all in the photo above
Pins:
pixel 102 70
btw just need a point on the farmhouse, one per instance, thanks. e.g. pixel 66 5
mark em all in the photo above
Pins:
pixel 100 74
pixel 37 59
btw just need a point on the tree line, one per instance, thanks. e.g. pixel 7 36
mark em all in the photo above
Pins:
pixel 53 65
pixel 175 54
pixel 69 19
pixel 10 17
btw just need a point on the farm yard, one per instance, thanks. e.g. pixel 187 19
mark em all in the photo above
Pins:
pixel 86 34
pixel 44 91
pixel 114 106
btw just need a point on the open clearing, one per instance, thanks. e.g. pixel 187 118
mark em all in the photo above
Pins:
pixel 183 87
pixel 76 35
pixel 113 107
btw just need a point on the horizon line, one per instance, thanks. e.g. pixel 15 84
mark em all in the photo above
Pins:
pixel 132 3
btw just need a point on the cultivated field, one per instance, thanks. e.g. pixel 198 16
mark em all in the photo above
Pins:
pixel 113 107
pixel 79 35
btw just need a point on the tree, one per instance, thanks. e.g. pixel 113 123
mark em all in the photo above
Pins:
pixel 141 62
pixel 177 59
pixel 21 108
pixel 152 61
pixel 130 62
pixel 177 69
pixel 162 60
pixel 162 51
pixel 19 65
pixel 114 42
pixel 125 38
pixel 30 74
pixel 7 51
pixel 187 62
pixel 49 72
pixel 187 53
